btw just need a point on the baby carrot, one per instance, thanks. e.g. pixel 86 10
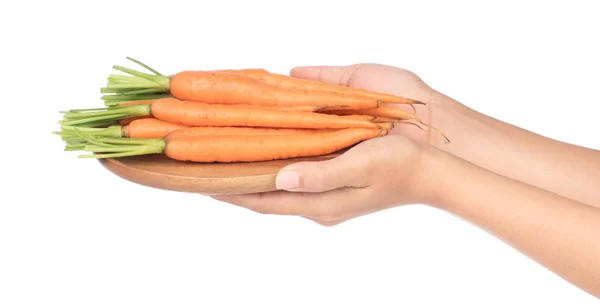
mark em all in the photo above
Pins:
pixel 198 131
pixel 300 108
pixel 204 114
pixel 148 128
pixel 231 148
pixel 283 81
pixel 224 88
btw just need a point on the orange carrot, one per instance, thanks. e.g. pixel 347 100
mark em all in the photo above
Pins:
pixel 283 81
pixel 203 114
pixel 232 148
pixel 222 88
pixel 198 131
pixel 127 121
pixel 225 88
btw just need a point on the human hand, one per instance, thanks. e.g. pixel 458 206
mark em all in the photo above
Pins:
pixel 378 78
pixel 374 175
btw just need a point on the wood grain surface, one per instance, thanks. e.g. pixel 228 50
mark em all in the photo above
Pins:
pixel 158 171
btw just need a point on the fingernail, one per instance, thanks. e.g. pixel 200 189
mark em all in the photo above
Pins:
pixel 287 180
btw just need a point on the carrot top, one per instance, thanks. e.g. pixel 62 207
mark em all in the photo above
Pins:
pixel 135 86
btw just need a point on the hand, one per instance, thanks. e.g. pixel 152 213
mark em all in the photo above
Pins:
pixel 375 175
pixel 383 79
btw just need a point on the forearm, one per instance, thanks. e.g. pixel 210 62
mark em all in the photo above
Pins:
pixel 565 169
pixel 557 232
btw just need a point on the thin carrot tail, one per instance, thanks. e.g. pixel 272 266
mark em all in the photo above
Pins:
pixel 411 123
pixel 414 109
pixel 446 140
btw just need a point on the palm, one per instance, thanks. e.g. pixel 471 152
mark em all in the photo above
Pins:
pixel 388 79
pixel 377 78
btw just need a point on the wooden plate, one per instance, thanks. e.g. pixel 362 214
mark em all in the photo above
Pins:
pixel 158 171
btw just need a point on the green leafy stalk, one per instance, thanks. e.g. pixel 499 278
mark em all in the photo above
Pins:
pixel 82 116
pixel 111 147
pixel 75 147
pixel 136 83
pixel 115 100
pixel 145 66
pixel 70 133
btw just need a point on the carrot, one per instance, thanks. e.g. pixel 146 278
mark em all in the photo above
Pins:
pixel 301 108
pixel 224 88
pixel 198 131
pixel 231 148
pixel 126 121
pixel 203 114
pixel 154 128
pixel 283 81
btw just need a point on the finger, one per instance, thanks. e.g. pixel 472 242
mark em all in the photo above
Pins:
pixel 326 223
pixel 336 75
pixel 350 169
pixel 328 206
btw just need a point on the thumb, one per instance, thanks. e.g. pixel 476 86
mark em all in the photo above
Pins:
pixel 336 75
pixel 346 170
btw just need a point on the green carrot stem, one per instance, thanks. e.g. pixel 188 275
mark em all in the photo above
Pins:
pixel 119 147
pixel 109 89
pixel 112 131
pixel 133 85
pixel 122 78
pixel 96 124
pixel 74 147
pixel 145 66
pixel 82 110
pixel 158 80
pixel 100 148
pixel 116 113
pixel 122 97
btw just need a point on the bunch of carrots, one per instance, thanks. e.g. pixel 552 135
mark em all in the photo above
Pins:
pixel 243 115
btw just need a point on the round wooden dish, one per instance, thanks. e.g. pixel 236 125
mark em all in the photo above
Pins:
pixel 158 171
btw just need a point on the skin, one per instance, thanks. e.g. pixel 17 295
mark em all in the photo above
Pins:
pixel 501 180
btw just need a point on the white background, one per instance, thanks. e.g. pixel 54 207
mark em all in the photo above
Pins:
pixel 73 234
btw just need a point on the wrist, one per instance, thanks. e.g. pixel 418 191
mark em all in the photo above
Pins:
pixel 442 171
pixel 432 174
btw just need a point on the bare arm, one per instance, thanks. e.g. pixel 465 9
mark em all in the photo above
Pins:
pixel 568 170
pixel 557 232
